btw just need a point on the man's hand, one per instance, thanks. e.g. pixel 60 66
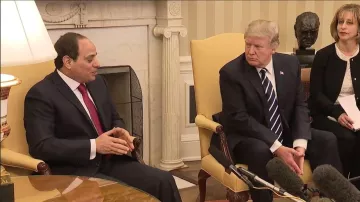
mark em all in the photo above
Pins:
pixel 105 144
pixel 300 159
pixel 346 121
pixel 287 155
pixel 124 135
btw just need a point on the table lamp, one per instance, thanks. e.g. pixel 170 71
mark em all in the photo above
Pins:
pixel 24 41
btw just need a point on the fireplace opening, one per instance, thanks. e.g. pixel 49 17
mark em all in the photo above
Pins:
pixel 126 94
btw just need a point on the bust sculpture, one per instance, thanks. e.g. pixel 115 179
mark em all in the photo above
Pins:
pixel 306 32
pixel 306 29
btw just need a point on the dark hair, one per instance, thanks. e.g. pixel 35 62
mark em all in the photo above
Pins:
pixel 67 44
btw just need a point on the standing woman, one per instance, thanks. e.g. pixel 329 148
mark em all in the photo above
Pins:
pixel 336 73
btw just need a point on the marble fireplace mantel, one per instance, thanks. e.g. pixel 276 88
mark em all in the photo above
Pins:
pixel 143 34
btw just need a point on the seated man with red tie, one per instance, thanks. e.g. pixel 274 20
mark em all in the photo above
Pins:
pixel 71 123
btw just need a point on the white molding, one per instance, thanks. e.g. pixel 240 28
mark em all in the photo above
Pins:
pixel 190 142
pixel 188 83
pixel 186 69
pixel 190 147
pixel 82 14
pixel 190 137
pixel 192 158
pixel 185 59
pixel 185 65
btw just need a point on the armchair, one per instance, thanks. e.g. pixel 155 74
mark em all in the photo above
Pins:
pixel 208 56
pixel 14 149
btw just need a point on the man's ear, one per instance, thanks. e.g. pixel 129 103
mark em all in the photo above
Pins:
pixel 67 62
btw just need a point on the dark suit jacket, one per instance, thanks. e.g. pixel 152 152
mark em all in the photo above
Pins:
pixel 327 75
pixel 245 109
pixel 58 129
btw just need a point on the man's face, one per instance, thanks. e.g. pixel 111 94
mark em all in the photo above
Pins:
pixel 307 33
pixel 84 69
pixel 258 51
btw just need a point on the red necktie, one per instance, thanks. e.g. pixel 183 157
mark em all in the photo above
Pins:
pixel 91 107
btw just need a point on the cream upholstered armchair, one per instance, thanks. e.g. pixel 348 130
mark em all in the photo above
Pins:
pixel 208 56
pixel 14 149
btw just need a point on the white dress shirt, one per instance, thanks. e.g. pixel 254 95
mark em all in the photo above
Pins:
pixel 271 76
pixel 347 85
pixel 73 85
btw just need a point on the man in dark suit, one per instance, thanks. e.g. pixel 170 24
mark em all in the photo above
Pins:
pixel 264 113
pixel 71 123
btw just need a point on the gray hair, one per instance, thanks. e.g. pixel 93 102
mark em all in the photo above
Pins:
pixel 264 28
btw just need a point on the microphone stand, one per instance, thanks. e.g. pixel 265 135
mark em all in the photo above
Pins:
pixel 353 179
pixel 242 177
pixel 278 190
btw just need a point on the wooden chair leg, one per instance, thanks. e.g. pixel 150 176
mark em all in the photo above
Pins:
pixel 237 197
pixel 202 177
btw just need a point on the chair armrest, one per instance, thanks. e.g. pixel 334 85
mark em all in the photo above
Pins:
pixel 136 153
pixel 14 159
pixel 203 122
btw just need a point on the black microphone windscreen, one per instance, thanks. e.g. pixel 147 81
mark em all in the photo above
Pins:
pixel 219 156
pixel 334 185
pixel 285 177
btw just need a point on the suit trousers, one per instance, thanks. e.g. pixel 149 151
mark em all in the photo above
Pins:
pixel 125 169
pixel 256 154
pixel 348 144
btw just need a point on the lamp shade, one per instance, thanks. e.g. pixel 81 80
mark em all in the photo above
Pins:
pixel 24 37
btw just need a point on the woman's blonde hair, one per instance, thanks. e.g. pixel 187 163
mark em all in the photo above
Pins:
pixel 355 10
pixel 261 28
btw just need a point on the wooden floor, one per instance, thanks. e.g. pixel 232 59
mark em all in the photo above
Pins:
pixel 215 191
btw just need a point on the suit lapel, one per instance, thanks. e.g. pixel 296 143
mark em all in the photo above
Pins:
pixel 279 71
pixel 69 94
pixel 254 78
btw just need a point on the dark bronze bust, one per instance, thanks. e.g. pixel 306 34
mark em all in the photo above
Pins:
pixel 306 29
pixel 306 32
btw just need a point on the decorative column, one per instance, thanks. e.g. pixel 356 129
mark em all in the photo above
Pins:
pixel 169 27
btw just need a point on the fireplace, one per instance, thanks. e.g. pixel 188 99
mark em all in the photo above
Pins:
pixel 126 94
pixel 145 36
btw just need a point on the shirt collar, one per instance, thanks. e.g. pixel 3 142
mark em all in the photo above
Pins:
pixel 344 57
pixel 69 81
pixel 269 67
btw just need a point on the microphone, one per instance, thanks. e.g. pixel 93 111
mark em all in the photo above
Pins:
pixel 219 156
pixel 227 165
pixel 334 185
pixel 286 178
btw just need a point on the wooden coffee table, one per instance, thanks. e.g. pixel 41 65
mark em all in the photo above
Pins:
pixel 58 188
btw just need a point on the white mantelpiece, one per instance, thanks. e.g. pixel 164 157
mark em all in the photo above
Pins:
pixel 126 33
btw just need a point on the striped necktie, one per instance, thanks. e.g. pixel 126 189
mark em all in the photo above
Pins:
pixel 275 119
